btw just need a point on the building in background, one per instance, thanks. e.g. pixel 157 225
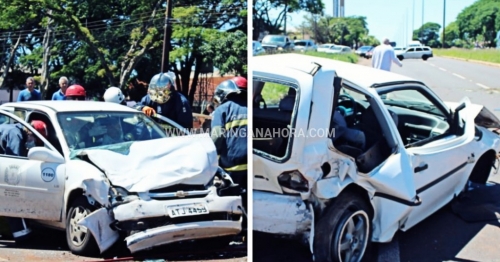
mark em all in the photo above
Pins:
pixel 338 8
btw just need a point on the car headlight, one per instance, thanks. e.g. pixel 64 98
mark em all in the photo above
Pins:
pixel 293 182
pixel 280 48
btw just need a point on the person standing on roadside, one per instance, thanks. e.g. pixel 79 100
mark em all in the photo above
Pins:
pixel 30 93
pixel 60 94
pixel 383 55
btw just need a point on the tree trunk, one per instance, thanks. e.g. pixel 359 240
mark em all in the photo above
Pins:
pixel 9 61
pixel 132 58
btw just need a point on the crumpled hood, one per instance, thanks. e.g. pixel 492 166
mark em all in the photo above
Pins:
pixel 483 116
pixel 152 164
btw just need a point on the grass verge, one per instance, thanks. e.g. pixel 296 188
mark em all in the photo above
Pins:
pixel 486 55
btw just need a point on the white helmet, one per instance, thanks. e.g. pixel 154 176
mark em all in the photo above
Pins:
pixel 114 95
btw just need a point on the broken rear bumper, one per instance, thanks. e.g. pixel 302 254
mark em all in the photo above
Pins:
pixel 280 214
pixel 174 233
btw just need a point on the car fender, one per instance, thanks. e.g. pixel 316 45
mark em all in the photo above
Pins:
pixel 81 175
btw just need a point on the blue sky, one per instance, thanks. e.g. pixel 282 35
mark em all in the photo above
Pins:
pixel 393 18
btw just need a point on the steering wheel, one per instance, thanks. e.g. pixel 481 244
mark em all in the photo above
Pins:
pixel 345 97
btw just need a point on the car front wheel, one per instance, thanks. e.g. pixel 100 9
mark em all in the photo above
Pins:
pixel 424 57
pixel 343 232
pixel 80 240
pixel 400 57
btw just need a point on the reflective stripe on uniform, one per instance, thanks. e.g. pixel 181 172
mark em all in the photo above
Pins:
pixel 241 167
pixel 236 123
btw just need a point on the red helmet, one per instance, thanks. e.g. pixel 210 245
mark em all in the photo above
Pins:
pixel 40 127
pixel 75 90
pixel 241 82
pixel 233 85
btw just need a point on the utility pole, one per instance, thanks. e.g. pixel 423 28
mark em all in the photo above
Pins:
pixel 167 35
pixel 413 20
pixel 444 24
pixel 422 28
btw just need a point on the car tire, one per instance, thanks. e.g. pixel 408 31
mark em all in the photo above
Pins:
pixel 424 57
pixel 344 230
pixel 80 240
pixel 400 57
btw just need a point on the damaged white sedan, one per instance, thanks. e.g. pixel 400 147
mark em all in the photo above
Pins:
pixel 106 171
pixel 345 155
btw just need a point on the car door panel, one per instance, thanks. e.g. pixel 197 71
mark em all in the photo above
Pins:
pixel 30 188
pixel 440 168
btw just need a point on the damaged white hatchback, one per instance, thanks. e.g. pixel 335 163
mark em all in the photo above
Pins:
pixel 106 171
pixel 345 155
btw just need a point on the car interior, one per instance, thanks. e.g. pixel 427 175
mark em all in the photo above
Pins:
pixel 417 118
pixel 52 138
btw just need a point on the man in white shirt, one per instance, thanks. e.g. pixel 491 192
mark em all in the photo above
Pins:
pixel 383 55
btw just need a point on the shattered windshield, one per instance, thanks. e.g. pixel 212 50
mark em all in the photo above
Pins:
pixel 103 129
pixel 411 99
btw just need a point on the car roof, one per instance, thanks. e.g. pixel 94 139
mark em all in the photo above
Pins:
pixel 72 106
pixel 363 76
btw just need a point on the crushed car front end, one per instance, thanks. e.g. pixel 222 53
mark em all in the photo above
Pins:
pixel 176 213
pixel 163 191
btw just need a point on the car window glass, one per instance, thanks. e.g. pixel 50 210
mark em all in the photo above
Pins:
pixel 273 110
pixel 97 129
pixel 15 147
pixel 419 118
pixel 410 50
pixel 419 49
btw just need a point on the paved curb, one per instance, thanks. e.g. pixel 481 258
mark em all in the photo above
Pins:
pixel 470 60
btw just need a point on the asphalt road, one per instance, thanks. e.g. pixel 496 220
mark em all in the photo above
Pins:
pixel 443 236
pixel 50 245
pixel 453 79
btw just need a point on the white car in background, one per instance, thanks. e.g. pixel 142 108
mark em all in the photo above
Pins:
pixel 418 52
pixel 151 186
pixel 304 45
pixel 399 50
pixel 324 47
pixel 339 49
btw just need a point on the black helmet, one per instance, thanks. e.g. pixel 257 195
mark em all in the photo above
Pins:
pixel 233 85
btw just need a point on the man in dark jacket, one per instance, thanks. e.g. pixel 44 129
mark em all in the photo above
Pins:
pixel 16 140
pixel 163 99
pixel 229 129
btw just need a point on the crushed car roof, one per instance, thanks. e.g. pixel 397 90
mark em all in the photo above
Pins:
pixel 360 75
pixel 71 106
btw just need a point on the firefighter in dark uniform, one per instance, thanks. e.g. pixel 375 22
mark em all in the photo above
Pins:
pixel 229 129
pixel 163 99
pixel 16 140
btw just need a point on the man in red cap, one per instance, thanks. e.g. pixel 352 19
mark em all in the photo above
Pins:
pixel 16 140
pixel 229 129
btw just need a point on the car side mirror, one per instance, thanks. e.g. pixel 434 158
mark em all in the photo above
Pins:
pixel 44 154
pixel 458 128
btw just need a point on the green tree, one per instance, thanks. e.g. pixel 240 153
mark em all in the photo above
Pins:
pixel 452 34
pixel 263 20
pixel 428 34
pixel 234 61
pixel 480 19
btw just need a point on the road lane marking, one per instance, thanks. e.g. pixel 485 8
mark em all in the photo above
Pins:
pixel 431 64
pixel 483 86
pixel 459 76
pixel 442 69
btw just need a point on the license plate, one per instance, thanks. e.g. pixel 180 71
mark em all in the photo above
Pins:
pixel 192 209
